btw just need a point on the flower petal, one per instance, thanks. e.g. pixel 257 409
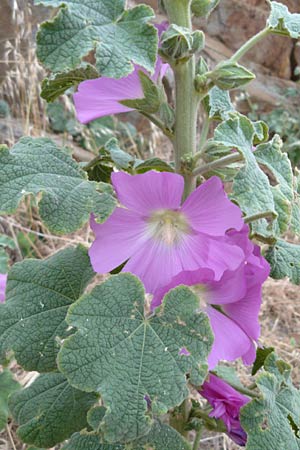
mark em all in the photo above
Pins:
pixel 229 289
pixel 210 211
pixel 230 343
pixel 3 281
pixel 116 239
pixel 149 191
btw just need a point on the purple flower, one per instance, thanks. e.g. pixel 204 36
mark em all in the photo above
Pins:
pixel 226 403
pixel 101 96
pixel 231 303
pixel 160 238
pixel 3 280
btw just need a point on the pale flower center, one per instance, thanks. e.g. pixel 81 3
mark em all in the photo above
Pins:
pixel 168 226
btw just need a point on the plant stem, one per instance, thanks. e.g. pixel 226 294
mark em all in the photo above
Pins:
pixel 221 162
pixel 243 390
pixel 186 97
pixel 261 215
pixel 197 439
pixel 180 417
pixel 204 133
pixel 249 44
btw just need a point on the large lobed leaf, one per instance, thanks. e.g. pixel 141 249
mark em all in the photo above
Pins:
pixel 50 410
pixel 38 166
pixel 272 421
pixel 121 37
pixel 39 293
pixel 141 357
pixel 284 259
pixel 281 21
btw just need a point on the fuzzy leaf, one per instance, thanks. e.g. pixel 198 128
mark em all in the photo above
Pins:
pixel 39 293
pixel 7 386
pixel 86 441
pixel 281 21
pixel 261 354
pixel 36 166
pixel 272 421
pixel 284 259
pixel 58 83
pixel 220 104
pixel 141 357
pixel 50 410
pixel 271 157
pixel 5 241
pixel 161 437
pixel 120 37
pixel 251 188
pixel 153 164
pixel 152 99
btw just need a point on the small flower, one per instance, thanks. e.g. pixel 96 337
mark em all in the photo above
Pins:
pixel 226 403
pixel 102 96
pixel 160 238
pixel 231 303
pixel 3 280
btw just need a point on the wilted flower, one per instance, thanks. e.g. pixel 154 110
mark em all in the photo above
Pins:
pixel 226 403
pixel 3 280
pixel 160 238
pixel 102 96
pixel 231 303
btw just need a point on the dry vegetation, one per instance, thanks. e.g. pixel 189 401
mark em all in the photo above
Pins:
pixel 281 306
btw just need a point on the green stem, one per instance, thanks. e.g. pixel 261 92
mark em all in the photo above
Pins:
pixel 197 439
pixel 186 97
pixel 179 418
pixel 261 215
pixel 221 162
pixel 204 133
pixel 249 44
pixel 243 390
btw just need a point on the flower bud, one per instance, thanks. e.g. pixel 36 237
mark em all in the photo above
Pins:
pixel 230 75
pixel 179 43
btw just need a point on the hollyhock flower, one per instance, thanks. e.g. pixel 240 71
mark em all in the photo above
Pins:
pixel 102 96
pixel 226 403
pixel 3 280
pixel 231 303
pixel 160 238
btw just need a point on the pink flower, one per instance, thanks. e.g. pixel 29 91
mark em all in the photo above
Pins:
pixel 3 280
pixel 231 303
pixel 226 403
pixel 101 96
pixel 160 238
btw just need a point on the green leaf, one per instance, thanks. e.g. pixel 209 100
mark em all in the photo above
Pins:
pixel 203 8
pixel 39 293
pixel 228 75
pixel 58 83
pixel 251 188
pixel 153 164
pixel 35 166
pixel 152 96
pixel 284 259
pixel 161 437
pixel 272 421
pixel 261 355
pixel 219 103
pixel 142 356
pixel 50 410
pixel 281 21
pixel 121 159
pixel 120 37
pixel 5 241
pixel 7 386
pixel 271 157
pixel 89 441
pixel 228 374
pixel 95 417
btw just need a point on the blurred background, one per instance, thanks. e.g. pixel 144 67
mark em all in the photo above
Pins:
pixel 274 97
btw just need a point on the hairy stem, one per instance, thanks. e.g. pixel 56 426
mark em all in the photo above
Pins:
pixel 249 44
pixel 221 162
pixel 197 439
pixel 261 215
pixel 186 97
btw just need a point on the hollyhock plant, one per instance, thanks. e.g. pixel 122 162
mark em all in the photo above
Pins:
pixel 102 96
pixel 231 303
pixel 160 238
pixel 226 403
pixel 3 280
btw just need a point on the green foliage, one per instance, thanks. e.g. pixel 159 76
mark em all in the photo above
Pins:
pixel 7 386
pixel 5 242
pixel 272 421
pixel 281 21
pixel 284 259
pixel 90 441
pixel 58 83
pixel 120 37
pixel 261 355
pixel 39 293
pixel 228 75
pixel 142 356
pixel 50 410
pixel 36 166
pixel 203 8
pixel 251 188
pixel 152 96
pixel 219 104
